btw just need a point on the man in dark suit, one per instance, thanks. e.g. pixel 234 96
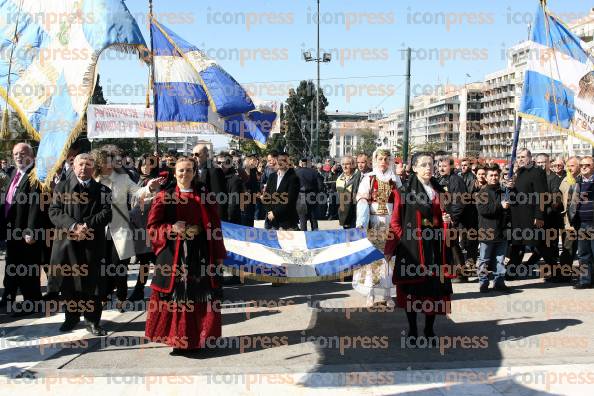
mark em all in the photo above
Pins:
pixel 234 189
pixel 281 194
pixel 252 187
pixel 21 228
pixel 268 170
pixel 308 195
pixel 80 211
pixel 212 177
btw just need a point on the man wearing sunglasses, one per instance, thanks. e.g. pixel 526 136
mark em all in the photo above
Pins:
pixel 581 217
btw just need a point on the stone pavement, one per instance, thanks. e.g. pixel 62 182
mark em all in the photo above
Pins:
pixel 320 337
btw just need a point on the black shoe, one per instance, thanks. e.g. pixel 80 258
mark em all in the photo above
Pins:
pixel 19 312
pixel 432 339
pixel 231 280
pixel 5 302
pixel 502 287
pixel 180 352
pixel 96 330
pixel 582 286
pixel 411 340
pixel 137 294
pixel 557 279
pixel 69 325
pixel 484 288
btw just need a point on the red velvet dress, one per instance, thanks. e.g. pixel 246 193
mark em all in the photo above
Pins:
pixel 178 318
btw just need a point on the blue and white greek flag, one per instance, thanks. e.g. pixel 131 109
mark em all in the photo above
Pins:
pixel 559 79
pixel 187 82
pixel 296 256
pixel 53 67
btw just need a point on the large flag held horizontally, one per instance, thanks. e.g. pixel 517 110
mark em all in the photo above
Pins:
pixel 187 82
pixel 53 70
pixel 559 79
pixel 296 256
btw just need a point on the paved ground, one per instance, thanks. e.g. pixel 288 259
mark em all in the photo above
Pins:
pixel 312 337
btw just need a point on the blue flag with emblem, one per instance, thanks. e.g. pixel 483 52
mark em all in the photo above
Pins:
pixel 187 83
pixel 559 79
pixel 48 68
pixel 296 256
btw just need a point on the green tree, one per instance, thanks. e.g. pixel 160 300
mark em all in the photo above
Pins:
pixel 276 142
pixel 249 146
pixel 430 147
pixel 98 97
pixel 368 143
pixel 400 149
pixel 297 121
pixel 16 133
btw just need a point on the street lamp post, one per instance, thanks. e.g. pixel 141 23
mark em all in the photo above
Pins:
pixel 325 59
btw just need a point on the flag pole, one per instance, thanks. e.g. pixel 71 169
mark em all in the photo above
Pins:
pixel 152 54
pixel 512 160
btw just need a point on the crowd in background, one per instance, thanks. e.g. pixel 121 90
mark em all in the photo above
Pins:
pixel 546 209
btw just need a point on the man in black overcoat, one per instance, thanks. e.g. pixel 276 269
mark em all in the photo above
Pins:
pixel 21 227
pixel 213 177
pixel 80 211
pixel 528 210
pixel 310 187
pixel 234 189
pixel 455 190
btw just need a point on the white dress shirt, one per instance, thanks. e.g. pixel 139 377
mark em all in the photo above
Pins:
pixel 279 178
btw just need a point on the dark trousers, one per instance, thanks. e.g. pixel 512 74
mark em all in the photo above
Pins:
pixel 144 261
pixel 471 246
pixel 307 211
pixel 333 206
pixel 260 211
pixel 322 205
pixel 248 215
pixel 516 255
pixel 20 275
pixel 115 273
pixel 568 253
pixel 80 303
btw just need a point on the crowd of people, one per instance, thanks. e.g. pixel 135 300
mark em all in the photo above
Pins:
pixel 435 224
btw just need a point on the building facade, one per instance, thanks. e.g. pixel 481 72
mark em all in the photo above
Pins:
pixel 503 92
pixel 449 120
pixel 349 130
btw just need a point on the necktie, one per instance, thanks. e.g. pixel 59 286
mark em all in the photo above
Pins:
pixel 11 192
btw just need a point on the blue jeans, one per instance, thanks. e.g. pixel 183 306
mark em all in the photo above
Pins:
pixel 487 251
pixel 586 256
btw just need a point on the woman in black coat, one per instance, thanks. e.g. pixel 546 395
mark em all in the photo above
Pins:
pixel 423 270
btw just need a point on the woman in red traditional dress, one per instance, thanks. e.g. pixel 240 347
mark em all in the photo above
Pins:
pixel 184 309
pixel 422 273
